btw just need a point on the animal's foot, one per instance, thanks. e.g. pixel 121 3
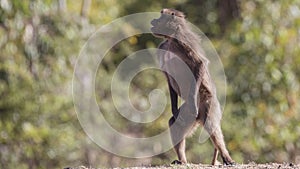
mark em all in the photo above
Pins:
pixel 229 163
pixel 176 162
pixel 216 162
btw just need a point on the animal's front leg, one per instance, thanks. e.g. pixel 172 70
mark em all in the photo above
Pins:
pixel 174 100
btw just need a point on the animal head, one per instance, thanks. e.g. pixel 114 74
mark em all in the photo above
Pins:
pixel 168 24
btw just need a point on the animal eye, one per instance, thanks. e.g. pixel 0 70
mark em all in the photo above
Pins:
pixel 172 13
pixel 161 11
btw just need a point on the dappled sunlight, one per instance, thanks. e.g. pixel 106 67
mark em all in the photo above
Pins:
pixel 258 43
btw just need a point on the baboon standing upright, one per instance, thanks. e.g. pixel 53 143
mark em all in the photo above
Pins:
pixel 201 106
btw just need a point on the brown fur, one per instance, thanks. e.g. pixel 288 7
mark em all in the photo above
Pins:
pixel 201 104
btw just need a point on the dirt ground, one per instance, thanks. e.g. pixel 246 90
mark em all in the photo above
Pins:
pixel 201 166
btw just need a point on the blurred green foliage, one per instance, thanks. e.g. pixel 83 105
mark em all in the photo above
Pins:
pixel 258 42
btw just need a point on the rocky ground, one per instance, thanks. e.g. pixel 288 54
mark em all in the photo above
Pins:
pixel 201 166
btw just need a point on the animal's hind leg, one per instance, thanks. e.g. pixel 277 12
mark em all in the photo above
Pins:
pixel 213 127
pixel 215 157
pixel 180 126
pixel 218 140
pixel 203 111
pixel 178 140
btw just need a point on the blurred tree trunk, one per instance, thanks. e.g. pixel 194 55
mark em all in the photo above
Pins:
pixel 228 10
pixel 85 7
pixel 62 6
